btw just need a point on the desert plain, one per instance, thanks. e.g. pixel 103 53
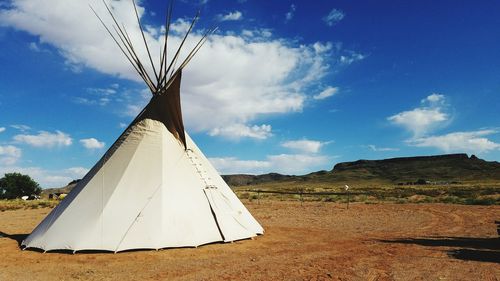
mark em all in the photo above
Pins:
pixel 302 241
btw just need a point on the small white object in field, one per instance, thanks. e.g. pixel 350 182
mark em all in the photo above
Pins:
pixel 25 198
pixel 346 187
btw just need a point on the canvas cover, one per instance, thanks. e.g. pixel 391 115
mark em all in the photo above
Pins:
pixel 152 189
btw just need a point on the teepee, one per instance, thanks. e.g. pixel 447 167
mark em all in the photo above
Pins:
pixel 153 188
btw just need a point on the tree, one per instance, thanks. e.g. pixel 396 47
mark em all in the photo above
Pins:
pixel 16 185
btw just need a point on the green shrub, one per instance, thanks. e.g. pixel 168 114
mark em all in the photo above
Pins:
pixel 16 185
pixel 480 201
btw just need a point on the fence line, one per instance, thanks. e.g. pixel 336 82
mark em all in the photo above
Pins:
pixel 300 193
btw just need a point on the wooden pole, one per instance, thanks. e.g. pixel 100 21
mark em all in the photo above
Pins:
pixel 348 199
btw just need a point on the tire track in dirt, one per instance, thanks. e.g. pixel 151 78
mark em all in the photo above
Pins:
pixel 444 222
pixel 306 241
pixel 434 221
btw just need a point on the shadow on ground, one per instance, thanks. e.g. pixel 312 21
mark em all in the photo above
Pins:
pixel 464 248
pixel 17 237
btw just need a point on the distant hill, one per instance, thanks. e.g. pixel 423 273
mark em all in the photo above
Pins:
pixel 64 189
pixel 446 168
pixel 440 168
pixel 450 167
pixel 242 179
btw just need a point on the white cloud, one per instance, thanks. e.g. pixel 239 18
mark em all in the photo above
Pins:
pixel 180 26
pixel 36 48
pixel 232 165
pixel 472 142
pixel 234 79
pixel 333 17
pixel 328 92
pixel 92 143
pixel 9 155
pixel 351 57
pixel 289 15
pixel 21 127
pixel 231 16
pixel 305 146
pixel 283 163
pixel 297 163
pixel 47 178
pixel 99 96
pixel 434 99
pixel 419 120
pixel 250 79
pixel 133 110
pixel 423 119
pixel 261 34
pixel 76 172
pixel 2 129
pixel 45 139
pixel 237 131
pixel 381 149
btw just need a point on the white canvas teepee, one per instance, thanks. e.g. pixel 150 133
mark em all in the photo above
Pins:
pixel 153 188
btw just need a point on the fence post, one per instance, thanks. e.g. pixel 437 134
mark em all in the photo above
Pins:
pixel 348 199
pixel 258 197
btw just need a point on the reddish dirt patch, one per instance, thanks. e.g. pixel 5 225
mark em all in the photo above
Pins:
pixel 313 241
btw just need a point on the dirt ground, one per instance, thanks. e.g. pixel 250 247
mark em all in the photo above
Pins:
pixel 313 241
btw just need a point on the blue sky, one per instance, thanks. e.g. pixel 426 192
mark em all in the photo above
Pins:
pixel 283 86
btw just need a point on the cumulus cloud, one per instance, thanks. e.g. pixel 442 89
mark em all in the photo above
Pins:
pixel 304 146
pixel 281 163
pixel 45 139
pixel 238 131
pixel 419 120
pixel 180 26
pixel 333 17
pixel 328 92
pixel 472 142
pixel 9 154
pixel 289 15
pixel 422 119
pixel 2 129
pixel 231 16
pixel 47 178
pixel 234 79
pixel 251 79
pixel 92 143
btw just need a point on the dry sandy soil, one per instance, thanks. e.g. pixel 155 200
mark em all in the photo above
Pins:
pixel 313 241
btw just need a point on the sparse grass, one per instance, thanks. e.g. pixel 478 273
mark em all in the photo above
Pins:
pixel 471 193
pixel 364 192
pixel 21 204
